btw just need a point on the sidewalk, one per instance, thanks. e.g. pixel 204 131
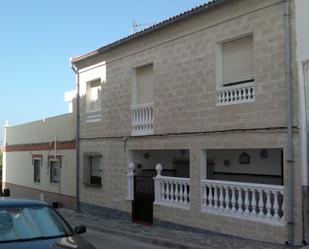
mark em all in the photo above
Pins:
pixel 171 238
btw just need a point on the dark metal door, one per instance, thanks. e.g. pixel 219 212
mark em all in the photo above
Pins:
pixel 143 199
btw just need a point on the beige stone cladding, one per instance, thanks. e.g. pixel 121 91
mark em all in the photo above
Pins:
pixel 184 64
pixel 186 115
pixel 113 192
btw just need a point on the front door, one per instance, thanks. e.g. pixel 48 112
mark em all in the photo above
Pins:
pixel 142 208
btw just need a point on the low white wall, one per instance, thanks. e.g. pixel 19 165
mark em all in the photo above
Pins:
pixel 19 171
pixel 62 127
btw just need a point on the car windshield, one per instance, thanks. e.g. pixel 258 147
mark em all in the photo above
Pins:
pixel 31 223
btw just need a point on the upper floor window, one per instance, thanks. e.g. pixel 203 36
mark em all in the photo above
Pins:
pixel 235 71
pixel 142 101
pixel 93 102
pixel 237 61
pixel 144 80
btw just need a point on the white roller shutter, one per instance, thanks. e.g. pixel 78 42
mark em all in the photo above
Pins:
pixel 237 58
pixel 145 84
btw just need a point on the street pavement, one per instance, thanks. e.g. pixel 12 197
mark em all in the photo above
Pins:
pixel 127 232
pixel 108 241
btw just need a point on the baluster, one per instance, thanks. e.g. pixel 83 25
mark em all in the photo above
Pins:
pixel 243 94
pixel 240 201
pixel 246 202
pixel 252 92
pixel 253 203
pixel 176 192
pixel 180 193
pixel 282 206
pixel 215 197
pixel 268 205
pixel 261 204
pixel 233 200
pixel 227 199
pixel 139 119
pixel 133 119
pixel 204 196
pixel 167 191
pixel 162 191
pixel 172 191
pixel 144 118
pixel 276 205
pixel 152 117
pixel 210 198
pixel 221 198
pixel 185 194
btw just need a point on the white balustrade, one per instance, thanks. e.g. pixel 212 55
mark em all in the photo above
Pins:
pixel 142 119
pixel 236 94
pixel 259 202
pixel 171 191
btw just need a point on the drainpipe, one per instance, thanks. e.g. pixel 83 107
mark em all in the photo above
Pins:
pixel 290 159
pixel 304 150
pixel 77 205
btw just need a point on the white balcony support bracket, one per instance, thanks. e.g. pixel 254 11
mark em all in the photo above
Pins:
pixel 130 182
pixel 142 119
pixel 237 94
pixel 171 191
pixel 258 202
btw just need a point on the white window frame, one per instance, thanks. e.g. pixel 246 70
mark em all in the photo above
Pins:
pixel 51 172
pixel 219 58
pixel 93 115
pixel 88 170
pixel 134 96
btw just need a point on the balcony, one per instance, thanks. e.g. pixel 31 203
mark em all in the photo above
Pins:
pixel 237 94
pixel 142 119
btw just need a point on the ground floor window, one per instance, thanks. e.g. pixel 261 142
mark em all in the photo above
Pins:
pixel 37 162
pixel 92 169
pixel 54 166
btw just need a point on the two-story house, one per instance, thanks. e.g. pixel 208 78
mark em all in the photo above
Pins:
pixel 195 121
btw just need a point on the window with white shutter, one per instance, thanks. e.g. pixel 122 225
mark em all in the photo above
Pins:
pixel 144 77
pixel 237 61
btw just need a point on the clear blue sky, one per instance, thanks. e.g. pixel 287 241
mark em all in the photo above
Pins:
pixel 37 38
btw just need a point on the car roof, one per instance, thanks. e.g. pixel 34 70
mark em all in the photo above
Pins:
pixel 10 202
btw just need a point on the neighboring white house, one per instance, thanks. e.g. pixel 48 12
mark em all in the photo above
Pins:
pixel 39 159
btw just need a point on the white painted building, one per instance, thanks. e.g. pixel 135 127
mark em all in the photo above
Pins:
pixel 39 159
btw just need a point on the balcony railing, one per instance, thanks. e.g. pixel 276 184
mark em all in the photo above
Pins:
pixel 236 94
pixel 171 191
pixel 258 202
pixel 142 119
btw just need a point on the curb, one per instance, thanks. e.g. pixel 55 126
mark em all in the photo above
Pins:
pixel 147 239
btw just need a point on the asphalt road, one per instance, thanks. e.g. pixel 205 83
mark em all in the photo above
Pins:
pixel 108 241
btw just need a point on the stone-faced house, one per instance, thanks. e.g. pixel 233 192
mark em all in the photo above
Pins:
pixel 195 121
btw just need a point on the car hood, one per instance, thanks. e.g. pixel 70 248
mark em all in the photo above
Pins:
pixel 74 242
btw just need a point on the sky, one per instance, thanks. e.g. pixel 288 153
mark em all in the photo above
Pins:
pixel 37 38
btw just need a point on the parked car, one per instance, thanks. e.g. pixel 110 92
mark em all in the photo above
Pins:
pixel 33 224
